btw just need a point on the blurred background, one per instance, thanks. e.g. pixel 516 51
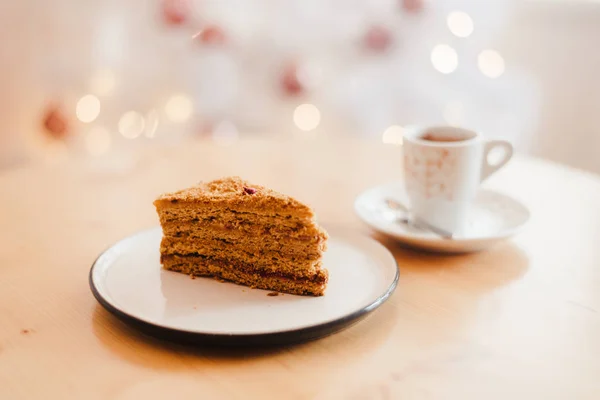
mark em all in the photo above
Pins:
pixel 102 80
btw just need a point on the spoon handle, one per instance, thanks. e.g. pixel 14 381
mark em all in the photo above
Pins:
pixel 396 205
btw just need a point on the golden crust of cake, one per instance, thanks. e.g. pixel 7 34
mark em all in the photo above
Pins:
pixel 235 193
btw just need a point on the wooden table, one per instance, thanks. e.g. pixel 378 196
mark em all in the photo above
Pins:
pixel 518 321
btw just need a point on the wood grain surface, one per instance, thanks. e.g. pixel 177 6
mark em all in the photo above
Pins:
pixel 520 320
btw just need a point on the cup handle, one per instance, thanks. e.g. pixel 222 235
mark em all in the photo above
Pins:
pixel 487 168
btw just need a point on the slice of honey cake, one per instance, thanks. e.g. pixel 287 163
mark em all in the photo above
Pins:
pixel 243 233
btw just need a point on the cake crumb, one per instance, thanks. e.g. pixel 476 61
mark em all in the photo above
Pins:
pixel 26 331
pixel 272 294
pixel 192 276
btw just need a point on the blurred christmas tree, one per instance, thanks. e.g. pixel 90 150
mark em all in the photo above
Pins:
pixel 223 69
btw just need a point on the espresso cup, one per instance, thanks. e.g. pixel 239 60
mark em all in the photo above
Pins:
pixel 443 168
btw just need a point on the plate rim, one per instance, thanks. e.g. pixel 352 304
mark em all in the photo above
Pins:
pixel 296 335
pixel 432 240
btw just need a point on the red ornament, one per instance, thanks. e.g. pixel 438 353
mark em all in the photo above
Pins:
pixel 55 122
pixel 176 12
pixel 290 82
pixel 378 38
pixel 412 6
pixel 211 35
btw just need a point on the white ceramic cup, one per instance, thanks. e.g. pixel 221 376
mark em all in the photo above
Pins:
pixel 443 168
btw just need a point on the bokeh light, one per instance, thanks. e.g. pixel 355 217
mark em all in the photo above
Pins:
pixel 88 108
pixel 97 141
pixel 307 117
pixel 460 24
pixel 491 63
pixel 131 124
pixel 179 108
pixel 393 135
pixel 444 58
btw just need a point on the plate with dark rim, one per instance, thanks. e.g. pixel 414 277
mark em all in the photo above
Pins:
pixel 128 280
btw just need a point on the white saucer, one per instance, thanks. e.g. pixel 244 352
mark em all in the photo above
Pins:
pixel 494 217
pixel 128 281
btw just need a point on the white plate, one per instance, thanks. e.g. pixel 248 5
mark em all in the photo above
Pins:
pixel 494 217
pixel 128 281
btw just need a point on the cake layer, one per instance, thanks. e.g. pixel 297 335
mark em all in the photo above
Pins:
pixel 234 193
pixel 238 230
pixel 258 247
pixel 245 275
pixel 296 267
pixel 262 205
pixel 191 213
